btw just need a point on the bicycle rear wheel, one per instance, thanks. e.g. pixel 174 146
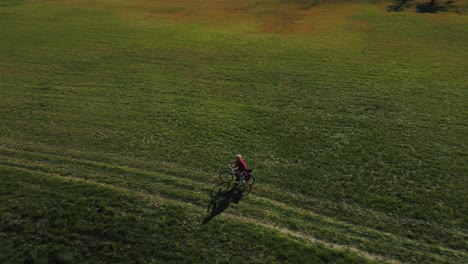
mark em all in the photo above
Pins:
pixel 251 180
pixel 225 176
pixel 249 184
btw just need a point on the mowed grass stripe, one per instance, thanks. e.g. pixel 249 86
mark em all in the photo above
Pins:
pixel 260 208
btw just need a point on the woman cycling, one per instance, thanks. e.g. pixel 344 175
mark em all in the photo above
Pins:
pixel 240 167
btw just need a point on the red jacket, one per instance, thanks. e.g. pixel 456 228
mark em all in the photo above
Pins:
pixel 241 165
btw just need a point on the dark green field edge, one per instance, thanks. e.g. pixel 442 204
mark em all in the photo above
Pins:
pixel 264 210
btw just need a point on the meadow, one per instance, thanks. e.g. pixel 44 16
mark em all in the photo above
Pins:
pixel 116 117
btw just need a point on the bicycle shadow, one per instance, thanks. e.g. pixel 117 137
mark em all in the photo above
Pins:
pixel 221 199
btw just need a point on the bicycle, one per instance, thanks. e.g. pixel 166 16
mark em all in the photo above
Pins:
pixel 246 180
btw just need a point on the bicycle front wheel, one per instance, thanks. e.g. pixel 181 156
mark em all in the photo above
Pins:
pixel 225 176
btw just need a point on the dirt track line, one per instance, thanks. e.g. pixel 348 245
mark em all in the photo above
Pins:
pixel 322 242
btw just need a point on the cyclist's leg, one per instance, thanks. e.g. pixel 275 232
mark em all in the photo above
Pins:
pixel 238 175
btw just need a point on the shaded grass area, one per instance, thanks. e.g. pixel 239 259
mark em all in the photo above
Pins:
pixel 51 219
pixel 459 7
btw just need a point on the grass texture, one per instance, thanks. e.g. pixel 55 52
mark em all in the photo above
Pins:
pixel 116 116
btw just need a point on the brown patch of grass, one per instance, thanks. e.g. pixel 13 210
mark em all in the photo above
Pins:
pixel 360 25
pixel 278 17
pixel 186 11
pixel 282 22
pixel 330 17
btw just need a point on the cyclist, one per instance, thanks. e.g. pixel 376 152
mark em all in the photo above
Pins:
pixel 240 167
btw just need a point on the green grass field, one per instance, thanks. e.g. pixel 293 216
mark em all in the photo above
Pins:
pixel 116 117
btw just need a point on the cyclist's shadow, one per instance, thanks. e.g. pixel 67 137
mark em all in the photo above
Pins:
pixel 221 196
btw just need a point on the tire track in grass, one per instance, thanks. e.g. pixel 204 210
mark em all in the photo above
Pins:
pixel 166 185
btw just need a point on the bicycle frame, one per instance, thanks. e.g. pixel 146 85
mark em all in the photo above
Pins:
pixel 247 185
